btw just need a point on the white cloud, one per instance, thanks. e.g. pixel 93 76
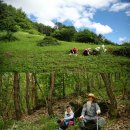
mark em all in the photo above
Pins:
pixel 79 12
pixel 97 4
pixel 102 29
pixel 128 13
pixel 119 6
pixel 122 39
pixel 83 22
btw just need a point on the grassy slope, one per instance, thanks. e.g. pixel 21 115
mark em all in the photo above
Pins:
pixel 24 55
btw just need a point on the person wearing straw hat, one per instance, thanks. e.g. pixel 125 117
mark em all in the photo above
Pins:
pixel 90 111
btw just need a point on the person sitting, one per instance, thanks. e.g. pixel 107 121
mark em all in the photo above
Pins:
pixel 87 52
pixel 89 112
pixel 73 51
pixel 68 119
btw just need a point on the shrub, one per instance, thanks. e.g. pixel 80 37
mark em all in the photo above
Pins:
pixel 8 37
pixel 124 51
pixel 48 40
pixel 33 31
pixel 126 44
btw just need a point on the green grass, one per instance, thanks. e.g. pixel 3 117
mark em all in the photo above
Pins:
pixel 37 123
pixel 24 55
pixel 41 123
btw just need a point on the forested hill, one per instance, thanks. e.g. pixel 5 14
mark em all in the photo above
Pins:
pixel 13 20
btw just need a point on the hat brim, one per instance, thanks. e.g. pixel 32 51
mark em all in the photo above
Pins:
pixel 91 96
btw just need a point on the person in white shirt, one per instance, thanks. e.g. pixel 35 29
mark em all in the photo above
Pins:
pixel 68 119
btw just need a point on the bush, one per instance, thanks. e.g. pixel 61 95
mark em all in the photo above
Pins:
pixel 126 44
pixel 48 40
pixel 124 51
pixel 33 31
pixel 8 37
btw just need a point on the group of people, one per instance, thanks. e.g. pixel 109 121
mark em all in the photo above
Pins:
pixel 89 51
pixel 90 112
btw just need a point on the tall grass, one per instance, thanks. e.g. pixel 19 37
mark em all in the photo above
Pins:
pixel 40 123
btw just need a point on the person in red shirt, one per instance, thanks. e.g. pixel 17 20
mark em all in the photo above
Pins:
pixel 74 50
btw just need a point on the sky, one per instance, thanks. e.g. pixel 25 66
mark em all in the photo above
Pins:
pixel 110 18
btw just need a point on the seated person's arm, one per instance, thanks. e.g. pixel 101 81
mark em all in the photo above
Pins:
pixel 83 111
pixel 69 117
pixel 98 110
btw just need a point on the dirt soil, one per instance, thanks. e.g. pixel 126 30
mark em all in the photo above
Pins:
pixel 121 123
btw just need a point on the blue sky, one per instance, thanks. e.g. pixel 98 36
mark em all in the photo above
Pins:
pixel 108 17
pixel 118 21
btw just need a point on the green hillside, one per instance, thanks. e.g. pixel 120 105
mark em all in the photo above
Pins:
pixel 24 55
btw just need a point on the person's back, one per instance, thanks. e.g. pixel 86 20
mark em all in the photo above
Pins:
pixel 86 52
pixel 74 50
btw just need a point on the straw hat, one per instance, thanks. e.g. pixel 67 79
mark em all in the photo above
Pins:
pixel 91 95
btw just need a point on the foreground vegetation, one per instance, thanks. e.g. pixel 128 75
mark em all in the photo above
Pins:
pixel 34 93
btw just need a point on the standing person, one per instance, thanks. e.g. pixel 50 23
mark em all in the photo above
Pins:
pixel 90 111
pixel 68 119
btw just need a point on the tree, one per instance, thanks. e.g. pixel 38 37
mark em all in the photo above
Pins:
pixel 63 85
pixel 65 34
pixel 108 42
pixel 7 14
pixel 11 19
pixel 59 25
pixel 16 86
pixel 22 20
pixel 28 93
pixel 50 95
pixel 113 107
pixel 126 44
pixel 86 36
pixel 47 30
pixel 34 92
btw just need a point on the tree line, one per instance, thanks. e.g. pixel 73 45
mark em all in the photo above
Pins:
pixel 13 20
